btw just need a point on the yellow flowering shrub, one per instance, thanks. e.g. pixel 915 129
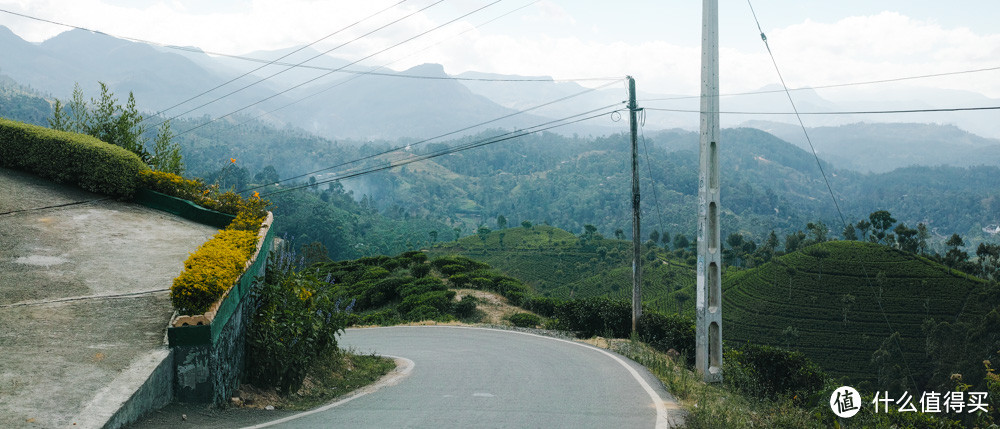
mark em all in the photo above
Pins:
pixel 207 196
pixel 211 270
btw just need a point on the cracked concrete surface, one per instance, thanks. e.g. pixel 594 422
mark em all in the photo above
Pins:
pixel 65 330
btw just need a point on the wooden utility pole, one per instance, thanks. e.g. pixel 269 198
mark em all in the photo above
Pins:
pixel 708 327
pixel 636 232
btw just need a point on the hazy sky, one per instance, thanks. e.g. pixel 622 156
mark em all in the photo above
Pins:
pixel 816 42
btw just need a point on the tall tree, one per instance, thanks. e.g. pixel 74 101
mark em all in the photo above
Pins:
pixel 501 222
pixel 955 255
pixel 850 233
pixel 881 221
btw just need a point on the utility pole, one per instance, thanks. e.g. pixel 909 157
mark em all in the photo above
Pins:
pixel 708 327
pixel 636 234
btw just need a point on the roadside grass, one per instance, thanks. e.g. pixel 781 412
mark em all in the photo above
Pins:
pixel 341 372
pixel 710 405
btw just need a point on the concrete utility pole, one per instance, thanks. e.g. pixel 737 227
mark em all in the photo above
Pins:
pixel 708 335
pixel 636 234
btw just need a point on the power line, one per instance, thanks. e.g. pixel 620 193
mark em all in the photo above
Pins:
pixel 479 143
pixel 280 58
pixel 374 72
pixel 310 59
pixel 856 112
pixel 330 72
pixel 305 66
pixel 836 204
pixel 836 85
pixel 441 135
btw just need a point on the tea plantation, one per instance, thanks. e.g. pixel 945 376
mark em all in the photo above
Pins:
pixel 838 302
pixel 561 265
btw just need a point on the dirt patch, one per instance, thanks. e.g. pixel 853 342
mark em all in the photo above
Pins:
pixel 494 307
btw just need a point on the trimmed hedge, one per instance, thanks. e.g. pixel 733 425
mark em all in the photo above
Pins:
pixel 66 157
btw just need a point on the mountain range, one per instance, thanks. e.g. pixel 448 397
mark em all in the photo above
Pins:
pixel 337 99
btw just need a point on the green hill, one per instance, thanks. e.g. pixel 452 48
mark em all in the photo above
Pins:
pixel 559 264
pixel 836 301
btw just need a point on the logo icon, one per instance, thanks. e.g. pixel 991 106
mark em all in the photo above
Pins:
pixel 845 402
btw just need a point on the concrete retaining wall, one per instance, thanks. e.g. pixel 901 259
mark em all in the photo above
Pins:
pixel 209 357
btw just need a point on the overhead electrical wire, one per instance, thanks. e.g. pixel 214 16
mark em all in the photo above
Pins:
pixel 856 112
pixel 835 85
pixel 385 66
pixel 279 58
pixel 307 60
pixel 304 66
pixel 843 220
pixel 331 72
pixel 519 112
pixel 478 143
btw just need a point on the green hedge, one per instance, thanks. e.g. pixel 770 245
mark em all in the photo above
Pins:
pixel 73 158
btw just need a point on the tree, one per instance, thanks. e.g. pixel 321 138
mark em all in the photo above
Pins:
pixel 989 260
pixel 619 234
pixel 955 255
pixel 483 232
pixel 665 239
pixel 881 221
pixel 107 120
pixel 315 252
pixel 906 238
pixel 654 236
pixel 60 119
pixel 850 233
pixel 501 222
pixel 863 227
pixel 681 242
pixel 434 236
pixel 526 224
pixel 80 120
pixel 681 297
pixel 589 230
pixel 269 175
pixel 794 241
pixel 167 154
pixel 922 235
pixel 734 254
pixel 818 230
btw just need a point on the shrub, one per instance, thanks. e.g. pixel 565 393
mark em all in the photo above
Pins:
pixel 439 299
pixel 596 316
pixel 665 332
pixel 544 306
pixel 772 372
pixel 465 308
pixel 66 157
pixel 524 320
pixel 388 316
pixel 423 312
pixel 420 270
pixel 452 269
pixel 250 212
pixel 459 280
pixel 296 322
pixel 211 270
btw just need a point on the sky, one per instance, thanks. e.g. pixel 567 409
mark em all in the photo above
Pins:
pixel 815 42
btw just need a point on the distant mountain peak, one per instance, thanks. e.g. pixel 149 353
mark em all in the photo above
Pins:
pixel 426 69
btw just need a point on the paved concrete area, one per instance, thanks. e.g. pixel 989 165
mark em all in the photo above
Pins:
pixel 83 297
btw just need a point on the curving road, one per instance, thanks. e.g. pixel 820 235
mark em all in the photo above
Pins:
pixel 462 377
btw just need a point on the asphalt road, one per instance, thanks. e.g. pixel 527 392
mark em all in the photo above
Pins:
pixel 464 377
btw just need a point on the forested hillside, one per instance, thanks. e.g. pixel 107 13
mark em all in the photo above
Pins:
pixel 562 181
